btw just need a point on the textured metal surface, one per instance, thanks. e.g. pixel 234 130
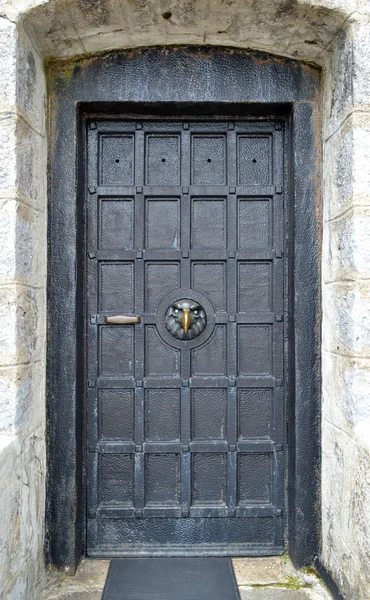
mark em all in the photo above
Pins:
pixel 169 578
pixel 191 432
pixel 179 81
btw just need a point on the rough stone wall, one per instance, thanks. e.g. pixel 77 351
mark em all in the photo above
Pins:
pixel 346 313
pixel 22 313
pixel 332 33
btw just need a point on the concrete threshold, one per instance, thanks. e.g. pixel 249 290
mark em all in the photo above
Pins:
pixel 267 578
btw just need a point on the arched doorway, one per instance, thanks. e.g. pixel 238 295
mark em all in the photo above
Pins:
pixel 252 120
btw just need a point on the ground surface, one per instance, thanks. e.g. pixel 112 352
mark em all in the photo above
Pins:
pixel 258 579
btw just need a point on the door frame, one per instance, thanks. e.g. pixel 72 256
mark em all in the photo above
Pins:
pixel 158 79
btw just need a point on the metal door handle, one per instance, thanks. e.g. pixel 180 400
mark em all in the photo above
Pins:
pixel 122 320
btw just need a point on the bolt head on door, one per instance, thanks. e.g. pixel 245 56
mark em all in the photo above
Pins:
pixel 185 319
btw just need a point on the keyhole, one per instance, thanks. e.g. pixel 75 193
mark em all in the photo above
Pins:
pixel 117 160
pixel 209 160
pixel 254 160
pixel 163 160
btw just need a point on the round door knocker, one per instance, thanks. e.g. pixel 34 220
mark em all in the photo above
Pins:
pixel 185 319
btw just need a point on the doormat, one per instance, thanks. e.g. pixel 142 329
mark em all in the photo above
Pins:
pixel 171 579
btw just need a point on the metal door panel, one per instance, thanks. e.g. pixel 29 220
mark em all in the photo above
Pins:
pixel 185 437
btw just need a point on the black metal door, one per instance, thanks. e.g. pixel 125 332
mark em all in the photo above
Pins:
pixel 185 384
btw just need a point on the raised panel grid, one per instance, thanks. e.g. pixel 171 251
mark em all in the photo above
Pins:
pixel 116 223
pixel 116 287
pixel 162 223
pixel 208 160
pixel 186 433
pixel 116 414
pixel 116 160
pixel 254 160
pixel 208 223
pixel 162 159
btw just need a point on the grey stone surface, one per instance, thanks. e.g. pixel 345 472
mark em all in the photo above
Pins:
pixel 274 593
pixel 264 570
pixel 268 578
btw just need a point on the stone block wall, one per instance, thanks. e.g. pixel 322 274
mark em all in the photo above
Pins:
pixel 22 313
pixel 332 33
pixel 346 313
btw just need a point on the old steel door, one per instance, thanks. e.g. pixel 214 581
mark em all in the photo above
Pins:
pixel 185 409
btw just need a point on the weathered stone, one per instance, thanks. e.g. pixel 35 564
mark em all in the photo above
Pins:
pixel 347 254
pixel 22 235
pixel 278 593
pixel 22 330
pixel 347 319
pixel 264 571
pixel 8 45
pixel 8 162
pixel 31 86
pixel 31 165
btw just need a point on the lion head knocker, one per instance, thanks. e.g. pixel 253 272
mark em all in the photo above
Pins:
pixel 185 319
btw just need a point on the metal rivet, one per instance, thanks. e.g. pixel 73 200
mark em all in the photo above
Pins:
pixel 185 126
pixel 232 380
pixel 278 189
pixel 278 126
pixel 138 448
pixel 91 383
pixel 91 255
pixel 92 189
pixel 185 190
pixel 279 382
pixel 185 254
pixel 185 383
pixel 232 254
pixel 232 448
pixel 139 189
pixel 231 126
pixel 139 383
pixel 278 318
pixel 139 254
pixel 231 512
pixel 185 512
pixel 92 125
pixel 185 448
pixel 139 125
pixel 93 319
pixel 232 318
pixel 232 190
pixel 138 513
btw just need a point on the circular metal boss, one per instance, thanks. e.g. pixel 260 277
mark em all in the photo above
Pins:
pixel 185 319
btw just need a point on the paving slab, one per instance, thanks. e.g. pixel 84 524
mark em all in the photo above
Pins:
pixel 265 570
pixel 81 596
pixel 273 593
pixel 265 578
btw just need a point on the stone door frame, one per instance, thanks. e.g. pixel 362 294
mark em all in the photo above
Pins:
pixel 253 83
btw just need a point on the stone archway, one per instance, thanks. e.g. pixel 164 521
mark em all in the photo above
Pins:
pixel 331 35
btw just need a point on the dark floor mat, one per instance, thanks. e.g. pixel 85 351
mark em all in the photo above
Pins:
pixel 171 579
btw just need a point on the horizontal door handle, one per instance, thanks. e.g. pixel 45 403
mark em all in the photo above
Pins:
pixel 122 320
